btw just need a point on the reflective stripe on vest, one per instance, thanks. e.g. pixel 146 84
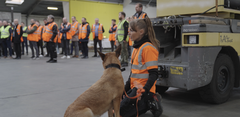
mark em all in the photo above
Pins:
pixel 120 31
pixel 5 32
pixel 24 29
pixel 140 66
pixel 83 31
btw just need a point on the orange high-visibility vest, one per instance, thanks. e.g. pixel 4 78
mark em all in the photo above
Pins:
pixel 68 34
pixel 43 33
pixel 143 59
pixel 74 28
pixel 100 31
pixel 142 16
pixel 49 33
pixel 83 31
pixel 18 31
pixel 33 36
pixel 112 35
pixel 38 32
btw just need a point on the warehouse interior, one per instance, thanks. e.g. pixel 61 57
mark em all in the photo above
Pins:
pixel 35 88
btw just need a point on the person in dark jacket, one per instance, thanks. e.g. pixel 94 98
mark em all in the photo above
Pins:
pixel 51 44
pixel 84 39
pixel 17 38
pixel 66 37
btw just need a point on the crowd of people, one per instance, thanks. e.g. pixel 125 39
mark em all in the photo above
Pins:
pixel 14 40
pixel 72 37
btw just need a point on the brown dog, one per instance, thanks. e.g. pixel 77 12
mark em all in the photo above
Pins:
pixel 104 95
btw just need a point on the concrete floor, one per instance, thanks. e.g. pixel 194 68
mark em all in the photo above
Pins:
pixel 34 88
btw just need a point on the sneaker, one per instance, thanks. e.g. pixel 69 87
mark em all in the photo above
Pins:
pixel 68 57
pixel 37 58
pixel 34 58
pixel 63 57
pixel 41 56
pixel 156 106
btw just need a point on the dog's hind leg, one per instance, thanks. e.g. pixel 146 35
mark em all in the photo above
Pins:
pixel 110 110
pixel 87 112
pixel 116 106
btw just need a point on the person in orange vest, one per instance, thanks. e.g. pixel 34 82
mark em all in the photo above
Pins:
pixel 65 36
pixel 84 32
pixel 144 71
pixel 75 39
pixel 139 13
pixel 45 43
pixel 33 38
pixel 112 31
pixel 40 40
pixel 97 30
pixel 50 36
pixel 17 38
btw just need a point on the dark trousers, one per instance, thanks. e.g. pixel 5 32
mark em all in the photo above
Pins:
pixel 17 47
pixel 40 44
pixel 80 46
pixel 85 48
pixel 66 46
pixel 52 50
pixel 47 48
pixel 6 43
pixel 128 106
pixel 24 43
pixel 96 40
pixel 71 48
pixel 33 44
pixel 1 49
pixel 112 45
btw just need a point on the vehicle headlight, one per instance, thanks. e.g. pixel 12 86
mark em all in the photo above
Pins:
pixel 193 39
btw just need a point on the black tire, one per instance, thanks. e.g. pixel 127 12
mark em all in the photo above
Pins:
pixel 221 86
pixel 161 89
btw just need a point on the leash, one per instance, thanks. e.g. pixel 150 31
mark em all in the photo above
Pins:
pixel 139 94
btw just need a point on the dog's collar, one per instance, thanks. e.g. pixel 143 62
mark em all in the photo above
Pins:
pixel 115 66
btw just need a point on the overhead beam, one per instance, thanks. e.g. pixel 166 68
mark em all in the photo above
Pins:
pixel 32 8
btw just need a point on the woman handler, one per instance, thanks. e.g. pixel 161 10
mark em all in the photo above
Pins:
pixel 144 71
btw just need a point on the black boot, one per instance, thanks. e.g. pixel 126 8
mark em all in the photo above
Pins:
pixel 49 60
pixel 156 106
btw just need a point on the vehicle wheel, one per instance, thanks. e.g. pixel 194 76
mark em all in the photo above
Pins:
pixel 221 86
pixel 161 89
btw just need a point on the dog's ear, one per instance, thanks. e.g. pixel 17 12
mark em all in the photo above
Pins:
pixel 118 50
pixel 101 55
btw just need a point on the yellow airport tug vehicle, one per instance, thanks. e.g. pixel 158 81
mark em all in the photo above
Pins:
pixel 200 46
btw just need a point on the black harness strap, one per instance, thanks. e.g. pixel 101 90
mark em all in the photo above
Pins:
pixel 115 66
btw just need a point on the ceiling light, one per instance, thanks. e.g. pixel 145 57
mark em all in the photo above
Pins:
pixel 15 2
pixel 52 8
